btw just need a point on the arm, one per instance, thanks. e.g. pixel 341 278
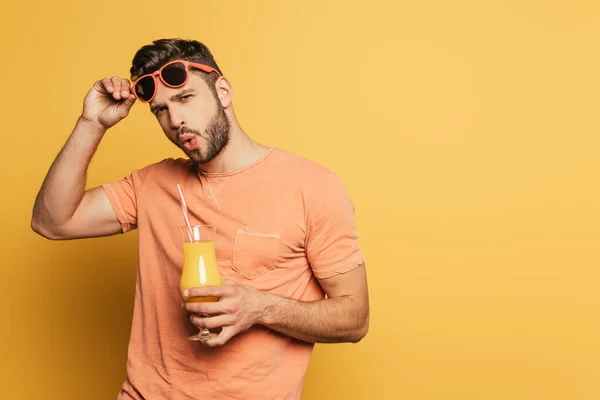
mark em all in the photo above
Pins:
pixel 331 247
pixel 342 317
pixel 63 208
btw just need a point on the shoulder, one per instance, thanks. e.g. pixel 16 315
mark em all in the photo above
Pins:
pixel 299 168
pixel 317 184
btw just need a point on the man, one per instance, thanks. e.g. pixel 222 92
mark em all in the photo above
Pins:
pixel 285 237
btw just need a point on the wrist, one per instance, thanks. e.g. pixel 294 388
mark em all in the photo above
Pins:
pixel 269 305
pixel 94 127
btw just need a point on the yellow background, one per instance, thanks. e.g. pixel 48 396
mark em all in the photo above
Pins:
pixel 466 132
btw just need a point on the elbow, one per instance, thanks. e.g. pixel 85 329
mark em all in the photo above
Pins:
pixel 43 230
pixel 361 331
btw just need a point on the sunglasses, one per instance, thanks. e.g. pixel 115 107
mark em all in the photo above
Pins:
pixel 173 74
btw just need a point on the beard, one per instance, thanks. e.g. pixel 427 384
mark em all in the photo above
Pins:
pixel 216 135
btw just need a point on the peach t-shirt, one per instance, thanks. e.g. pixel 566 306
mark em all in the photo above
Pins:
pixel 282 222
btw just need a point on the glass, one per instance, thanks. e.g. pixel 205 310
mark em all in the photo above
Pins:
pixel 199 266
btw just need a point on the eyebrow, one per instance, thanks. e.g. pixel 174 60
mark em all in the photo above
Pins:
pixel 183 92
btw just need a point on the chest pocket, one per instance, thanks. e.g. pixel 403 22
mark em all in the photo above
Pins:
pixel 255 251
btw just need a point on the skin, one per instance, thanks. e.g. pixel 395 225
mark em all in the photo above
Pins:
pixel 200 120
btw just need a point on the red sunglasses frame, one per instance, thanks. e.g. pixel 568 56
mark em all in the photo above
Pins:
pixel 158 73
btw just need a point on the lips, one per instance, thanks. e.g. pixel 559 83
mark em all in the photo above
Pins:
pixel 191 144
pixel 189 141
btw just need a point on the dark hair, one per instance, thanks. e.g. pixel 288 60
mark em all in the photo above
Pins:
pixel 151 57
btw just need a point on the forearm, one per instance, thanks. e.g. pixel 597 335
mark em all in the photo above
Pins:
pixel 64 185
pixel 333 320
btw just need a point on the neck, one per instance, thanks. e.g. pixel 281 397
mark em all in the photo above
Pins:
pixel 240 151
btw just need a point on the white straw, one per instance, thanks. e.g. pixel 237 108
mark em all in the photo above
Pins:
pixel 184 209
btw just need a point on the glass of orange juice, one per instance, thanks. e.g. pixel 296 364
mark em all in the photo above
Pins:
pixel 199 265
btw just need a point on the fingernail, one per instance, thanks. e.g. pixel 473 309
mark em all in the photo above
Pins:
pixel 186 293
pixel 182 305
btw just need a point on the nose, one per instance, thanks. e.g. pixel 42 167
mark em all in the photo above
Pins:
pixel 176 119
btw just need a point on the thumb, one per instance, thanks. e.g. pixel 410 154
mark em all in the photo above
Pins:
pixel 229 282
pixel 126 105
pixel 130 100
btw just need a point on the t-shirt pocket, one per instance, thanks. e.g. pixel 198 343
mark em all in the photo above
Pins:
pixel 255 251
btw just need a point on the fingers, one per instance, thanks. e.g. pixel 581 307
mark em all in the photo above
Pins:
pixel 211 291
pixel 116 84
pixel 211 308
pixel 217 321
pixel 117 87
pixel 124 88
pixel 227 333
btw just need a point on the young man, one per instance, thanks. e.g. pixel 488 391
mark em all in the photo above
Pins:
pixel 285 237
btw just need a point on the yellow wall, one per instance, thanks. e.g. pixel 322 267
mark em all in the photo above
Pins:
pixel 466 132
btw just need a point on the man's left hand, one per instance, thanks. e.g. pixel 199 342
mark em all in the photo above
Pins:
pixel 239 307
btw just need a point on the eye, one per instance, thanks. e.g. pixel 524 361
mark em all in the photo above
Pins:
pixel 184 97
pixel 159 110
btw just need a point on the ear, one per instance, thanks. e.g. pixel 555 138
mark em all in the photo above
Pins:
pixel 224 91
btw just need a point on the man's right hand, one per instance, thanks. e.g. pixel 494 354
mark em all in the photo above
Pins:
pixel 108 102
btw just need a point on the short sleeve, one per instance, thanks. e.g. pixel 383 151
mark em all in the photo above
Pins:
pixel 123 196
pixel 331 239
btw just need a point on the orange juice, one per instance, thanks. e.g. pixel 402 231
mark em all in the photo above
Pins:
pixel 199 268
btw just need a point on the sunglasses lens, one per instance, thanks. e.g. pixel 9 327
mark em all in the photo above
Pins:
pixel 144 88
pixel 175 74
